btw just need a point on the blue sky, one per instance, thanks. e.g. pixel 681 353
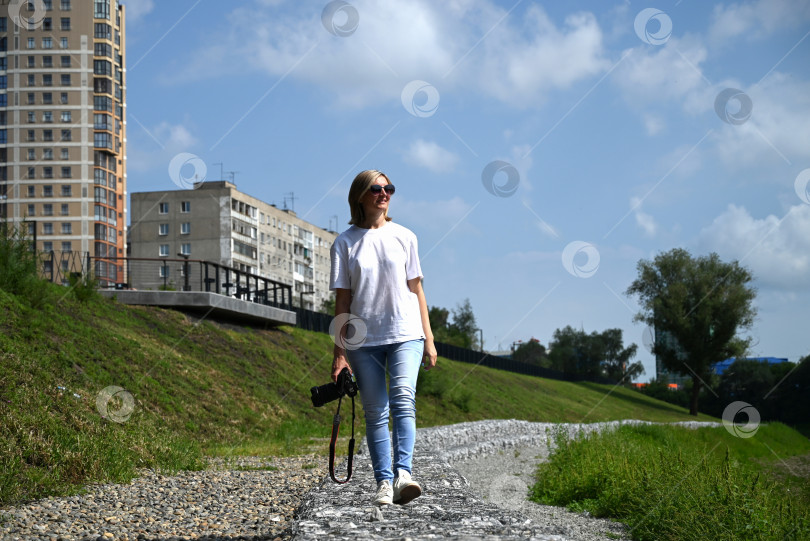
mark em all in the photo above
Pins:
pixel 611 124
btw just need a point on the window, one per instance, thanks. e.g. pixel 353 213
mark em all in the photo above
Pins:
pixel 185 248
pixel 32 44
pixel 103 49
pixel 102 140
pixel 32 154
pixel 102 103
pixel 47 24
pixel 163 229
pixel 103 31
pixel 47 43
pixel 66 229
pixel 32 99
pixel 47 246
pixel 102 9
pixel 64 79
pixel 47 135
pixel 185 228
pixel 66 135
pixel 164 271
pixel 64 5
pixel 164 250
pixel 47 209
pixel 47 153
pixel 66 190
pixel 47 229
pixel 64 154
pixel 32 80
pixel 63 43
pixel 66 174
pixel 65 209
pixel 32 135
pixel 66 116
pixel 47 80
pixel 3 24
pixel 3 137
pixel 3 100
pixel 47 172
pixel 47 61
pixel 102 67
pixel 47 98
pixel 64 23
pixel 101 121
pixel 32 210
pixel 47 116
pixel 185 206
pixel 32 173
pixel 65 61
pixel 66 247
pixel 48 5
pixel 163 208
pixel 32 62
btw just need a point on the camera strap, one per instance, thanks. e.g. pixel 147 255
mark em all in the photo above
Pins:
pixel 335 431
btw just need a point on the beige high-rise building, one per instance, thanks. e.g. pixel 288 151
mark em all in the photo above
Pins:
pixel 218 223
pixel 63 130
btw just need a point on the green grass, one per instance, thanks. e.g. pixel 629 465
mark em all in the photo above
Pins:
pixel 203 388
pixel 673 483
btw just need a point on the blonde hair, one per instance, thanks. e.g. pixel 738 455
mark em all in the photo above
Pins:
pixel 360 185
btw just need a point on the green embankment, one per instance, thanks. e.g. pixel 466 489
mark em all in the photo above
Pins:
pixel 674 483
pixel 204 388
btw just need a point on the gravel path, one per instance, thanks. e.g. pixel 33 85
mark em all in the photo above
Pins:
pixel 481 495
pixel 246 497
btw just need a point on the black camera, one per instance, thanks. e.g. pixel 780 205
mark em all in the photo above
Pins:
pixel 332 391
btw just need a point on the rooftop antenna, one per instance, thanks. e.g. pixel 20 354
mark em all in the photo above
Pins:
pixel 233 176
pixel 221 173
pixel 292 200
pixel 330 222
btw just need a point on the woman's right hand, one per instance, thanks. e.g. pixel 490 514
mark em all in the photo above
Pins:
pixel 338 364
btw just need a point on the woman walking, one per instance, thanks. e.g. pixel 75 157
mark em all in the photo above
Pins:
pixel 377 277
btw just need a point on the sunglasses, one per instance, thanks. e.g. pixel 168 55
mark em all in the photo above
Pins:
pixel 376 189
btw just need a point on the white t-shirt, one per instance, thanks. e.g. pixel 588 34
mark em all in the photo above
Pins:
pixel 375 265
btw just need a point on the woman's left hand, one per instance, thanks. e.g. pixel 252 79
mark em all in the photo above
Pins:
pixel 429 356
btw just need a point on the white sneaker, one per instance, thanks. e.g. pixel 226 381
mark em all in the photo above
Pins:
pixel 384 493
pixel 405 489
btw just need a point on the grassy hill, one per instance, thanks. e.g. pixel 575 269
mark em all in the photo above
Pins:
pixel 206 388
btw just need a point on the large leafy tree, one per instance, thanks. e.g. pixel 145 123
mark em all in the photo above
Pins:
pixel 697 306
pixel 594 355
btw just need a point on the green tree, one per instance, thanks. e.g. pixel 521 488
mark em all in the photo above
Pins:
pixel 616 357
pixel 328 305
pixel 532 352
pixel 461 332
pixel 594 355
pixel 696 306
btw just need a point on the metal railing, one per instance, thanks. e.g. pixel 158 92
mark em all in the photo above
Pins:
pixel 166 274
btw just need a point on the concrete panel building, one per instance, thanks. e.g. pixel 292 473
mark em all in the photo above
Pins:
pixel 218 223
pixel 63 130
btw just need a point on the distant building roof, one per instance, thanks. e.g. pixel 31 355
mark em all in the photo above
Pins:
pixel 719 368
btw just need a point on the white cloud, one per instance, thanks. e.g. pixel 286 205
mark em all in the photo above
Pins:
pixel 431 156
pixel 653 124
pixel 669 72
pixel 754 20
pixel 469 45
pixel 777 250
pixel 645 221
pixel 154 147
pixel 778 130
pixel 135 9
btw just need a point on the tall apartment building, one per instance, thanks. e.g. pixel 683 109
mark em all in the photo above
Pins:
pixel 218 223
pixel 63 128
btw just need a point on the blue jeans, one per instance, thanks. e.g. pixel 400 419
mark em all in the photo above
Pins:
pixel 369 366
